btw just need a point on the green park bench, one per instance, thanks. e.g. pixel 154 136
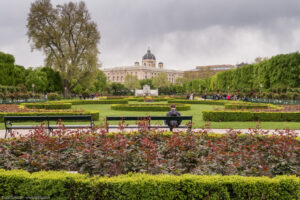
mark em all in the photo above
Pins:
pixel 10 120
pixel 147 122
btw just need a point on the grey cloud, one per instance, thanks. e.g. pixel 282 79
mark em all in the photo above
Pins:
pixel 182 33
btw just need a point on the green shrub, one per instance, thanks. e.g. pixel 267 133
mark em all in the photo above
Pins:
pixel 82 102
pixel 149 107
pixel 209 102
pixel 115 97
pixel 94 114
pixel 246 106
pixel 250 116
pixel 48 105
pixel 225 116
pixel 62 185
pixel 53 96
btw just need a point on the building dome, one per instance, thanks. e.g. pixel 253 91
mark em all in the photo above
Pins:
pixel 149 56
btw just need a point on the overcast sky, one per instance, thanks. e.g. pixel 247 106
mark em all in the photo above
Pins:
pixel 181 33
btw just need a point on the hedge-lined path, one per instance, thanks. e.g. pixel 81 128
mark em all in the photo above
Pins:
pixel 221 131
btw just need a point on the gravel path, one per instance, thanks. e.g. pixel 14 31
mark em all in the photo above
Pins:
pixel 222 131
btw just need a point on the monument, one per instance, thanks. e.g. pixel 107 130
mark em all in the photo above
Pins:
pixel 146 91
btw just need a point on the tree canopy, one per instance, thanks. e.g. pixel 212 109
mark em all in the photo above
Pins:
pixel 68 37
pixel 131 82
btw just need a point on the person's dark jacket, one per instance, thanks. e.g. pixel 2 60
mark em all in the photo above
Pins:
pixel 173 123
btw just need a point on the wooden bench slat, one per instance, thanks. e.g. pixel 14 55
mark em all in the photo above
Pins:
pixel 148 118
pixel 9 119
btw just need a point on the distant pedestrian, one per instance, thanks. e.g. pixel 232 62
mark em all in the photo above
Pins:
pixel 192 97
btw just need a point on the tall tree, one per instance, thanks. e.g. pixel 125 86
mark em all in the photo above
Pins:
pixel 161 80
pixel 68 37
pixel 131 82
pixel 101 81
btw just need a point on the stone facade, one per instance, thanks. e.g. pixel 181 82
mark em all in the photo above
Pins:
pixel 146 70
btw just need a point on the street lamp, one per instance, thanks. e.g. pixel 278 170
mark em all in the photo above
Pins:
pixel 260 87
pixel 32 85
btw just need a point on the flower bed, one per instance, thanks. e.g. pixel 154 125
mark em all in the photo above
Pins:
pixel 226 116
pixel 155 152
pixel 149 107
pixel 61 185
pixel 48 105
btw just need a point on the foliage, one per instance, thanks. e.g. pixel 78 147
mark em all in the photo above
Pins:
pixel 101 153
pixel 13 74
pixel 278 72
pixel 161 80
pixel 54 82
pixel 94 114
pixel 117 89
pixel 48 105
pixel 53 96
pixel 68 37
pixel 39 79
pixel 209 102
pixel 81 102
pixel 63 185
pixel 225 116
pixel 245 106
pixel 149 107
pixel 100 82
pixel 131 82
pixel 146 82
pixel 7 58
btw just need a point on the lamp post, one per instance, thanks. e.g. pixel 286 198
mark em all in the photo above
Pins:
pixel 32 85
pixel 260 87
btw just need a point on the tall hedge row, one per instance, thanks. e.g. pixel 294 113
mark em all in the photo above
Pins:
pixel 281 71
pixel 62 185
pixel 226 116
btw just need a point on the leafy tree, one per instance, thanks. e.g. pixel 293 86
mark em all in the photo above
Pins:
pixel 6 58
pixel 38 78
pixel 131 82
pixel 54 83
pixel 68 37
pixel 146 82
pixel 117 89
pixel 100 82
pixel 161 80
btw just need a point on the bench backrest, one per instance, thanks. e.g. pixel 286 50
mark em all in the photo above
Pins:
pixel 131 118
pixel 48 118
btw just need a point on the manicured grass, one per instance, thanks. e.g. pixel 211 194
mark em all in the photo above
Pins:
pixel 196 112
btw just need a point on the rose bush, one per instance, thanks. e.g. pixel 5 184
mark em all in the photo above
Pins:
pixel 101 153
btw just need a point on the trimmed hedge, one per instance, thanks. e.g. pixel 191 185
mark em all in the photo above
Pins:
pixel 48 105
pixel 246 106
pixel 149 107
pixel 209 102
pixel 94 114
pixel 226 116
pixel 63 185
pixel 82 102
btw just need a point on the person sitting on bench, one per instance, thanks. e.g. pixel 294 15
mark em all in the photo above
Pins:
pixel 173 113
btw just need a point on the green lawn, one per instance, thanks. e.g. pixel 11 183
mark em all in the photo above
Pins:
pixel 196 112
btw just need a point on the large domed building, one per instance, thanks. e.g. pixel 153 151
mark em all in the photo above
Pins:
pixel 146 70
